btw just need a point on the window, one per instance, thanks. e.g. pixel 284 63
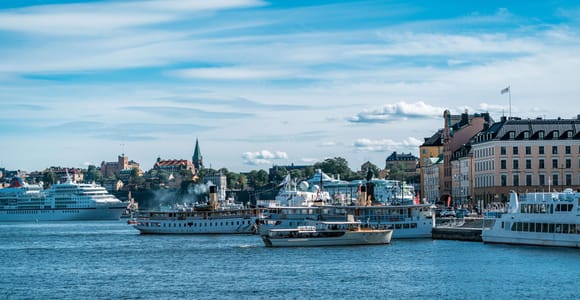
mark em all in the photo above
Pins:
pixel 516 180
pixel 555 134
pixel 542 179
pixel 540 164
pixel 503 180
pixel 529 180
pixel 528 163
pixel 515 150
pixel 528 150
pixel 503 164
pixel 502 150
pixel 555 179
pixel 568 179
pixel 554 149
pixel 568 150
pixel 516 164
pixel 541 150
pixel 568 163
pixel 554 163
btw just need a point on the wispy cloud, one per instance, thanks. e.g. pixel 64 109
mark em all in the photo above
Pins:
pixel 185 112
pixel 263 157
pixel 386 145
pixel 396 112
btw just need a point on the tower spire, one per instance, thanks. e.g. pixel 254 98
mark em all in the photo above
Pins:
pixel 197 159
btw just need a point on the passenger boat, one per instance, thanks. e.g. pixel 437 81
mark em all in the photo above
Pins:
pixel 209 219
pixel 68 201
pixel 327 234
pixel 542 219
pixel 407 221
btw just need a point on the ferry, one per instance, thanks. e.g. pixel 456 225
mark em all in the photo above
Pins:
pixel 407 221
pixel 68 201
pixel 327 234
pixel 541 219
pixel 207 219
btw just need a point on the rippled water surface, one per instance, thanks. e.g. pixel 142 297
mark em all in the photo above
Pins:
pixel 111 260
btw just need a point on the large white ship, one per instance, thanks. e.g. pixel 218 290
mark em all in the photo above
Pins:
pixel 67 201
pixel 542 219
pixel 207 219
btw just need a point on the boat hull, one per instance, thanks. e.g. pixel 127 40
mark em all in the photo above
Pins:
pixel 236 225
pixel 71 214
pixel 532 239
pixel 375 237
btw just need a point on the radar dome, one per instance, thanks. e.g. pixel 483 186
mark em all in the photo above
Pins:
pixel 303 185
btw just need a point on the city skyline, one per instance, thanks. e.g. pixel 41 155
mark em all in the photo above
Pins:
pixel 264 83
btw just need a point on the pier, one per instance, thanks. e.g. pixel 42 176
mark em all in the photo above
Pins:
pixel 467 229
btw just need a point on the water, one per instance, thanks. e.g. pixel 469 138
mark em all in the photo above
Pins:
pixel 111 260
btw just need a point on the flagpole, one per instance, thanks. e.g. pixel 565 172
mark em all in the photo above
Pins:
pixel 510 103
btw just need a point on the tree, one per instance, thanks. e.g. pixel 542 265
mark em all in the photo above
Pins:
pixel 49 178
pixel 93 174
pixel 335 166
pixel 369 166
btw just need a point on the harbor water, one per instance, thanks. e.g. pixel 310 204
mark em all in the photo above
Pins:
pixel 111 260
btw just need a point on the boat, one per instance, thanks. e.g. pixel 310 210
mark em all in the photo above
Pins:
pixel 68 201
pixel 407 221
pixel 327 234
pixel 541 219
pixel 301 194
pixel 202 219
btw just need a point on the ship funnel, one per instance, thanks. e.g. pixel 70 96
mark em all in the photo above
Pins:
pixel 213 202
pixel 514 203
pixel 363 196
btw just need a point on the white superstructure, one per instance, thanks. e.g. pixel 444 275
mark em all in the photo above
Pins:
pixel 543 219
pixel 61 202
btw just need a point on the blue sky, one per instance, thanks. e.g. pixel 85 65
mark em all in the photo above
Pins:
pixel 270 82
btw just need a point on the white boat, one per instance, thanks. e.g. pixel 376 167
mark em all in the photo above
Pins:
pixel 542 219
pixel 327 234
pixel 209 219
pixel 67 201
pixel 293 194
pixel 407 221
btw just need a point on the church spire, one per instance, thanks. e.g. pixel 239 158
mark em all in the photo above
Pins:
pixel 197 159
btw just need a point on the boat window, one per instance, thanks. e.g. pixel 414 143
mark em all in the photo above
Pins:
pixel 551 228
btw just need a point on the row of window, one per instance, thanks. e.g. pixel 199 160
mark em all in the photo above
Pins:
pixel 515 150
pixel 541 180
pixel 543 227
pixel 544 208
pixel 192 224
pixel 541 164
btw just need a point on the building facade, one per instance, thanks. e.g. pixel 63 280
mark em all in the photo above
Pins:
pixel 525 156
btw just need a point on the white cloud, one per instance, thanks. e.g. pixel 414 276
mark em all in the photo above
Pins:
pixel 233 73
pixel 386 145
pixel 263 157
pixel 398 111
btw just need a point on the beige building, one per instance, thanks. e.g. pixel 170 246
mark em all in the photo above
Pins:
pixel 525 156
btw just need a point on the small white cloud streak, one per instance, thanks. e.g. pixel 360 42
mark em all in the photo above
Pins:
pixel 385 145
pixel 232 73
pixel 393 112
pixel 263 157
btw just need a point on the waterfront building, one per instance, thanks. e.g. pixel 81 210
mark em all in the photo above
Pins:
pixel 407 162
pixel 116 167
pixel 532 155
pixel 432 171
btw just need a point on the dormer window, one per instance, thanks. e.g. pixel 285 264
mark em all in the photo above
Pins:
pixel 541 135
pixel 570 134
pixel 526 135
pixel 555 134
pixel 512 135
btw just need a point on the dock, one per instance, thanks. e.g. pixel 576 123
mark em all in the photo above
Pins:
pixel 467 229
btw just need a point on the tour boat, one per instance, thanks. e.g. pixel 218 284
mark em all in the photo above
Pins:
pixel 407 221
pixel 207 219
pixel 327 234
pixel 542 219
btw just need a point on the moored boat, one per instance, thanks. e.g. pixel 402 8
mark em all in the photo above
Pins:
pixel 68 201
pixel 207 219
pixel 541 219
pixel 327 234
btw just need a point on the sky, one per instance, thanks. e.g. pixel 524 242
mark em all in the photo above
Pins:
pixel 263 83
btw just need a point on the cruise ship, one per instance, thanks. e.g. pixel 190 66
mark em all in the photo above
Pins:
pixel 541 219
pixel 69 201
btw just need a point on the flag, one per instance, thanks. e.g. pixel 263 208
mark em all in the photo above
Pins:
pixel 506 90
pixel 448 201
